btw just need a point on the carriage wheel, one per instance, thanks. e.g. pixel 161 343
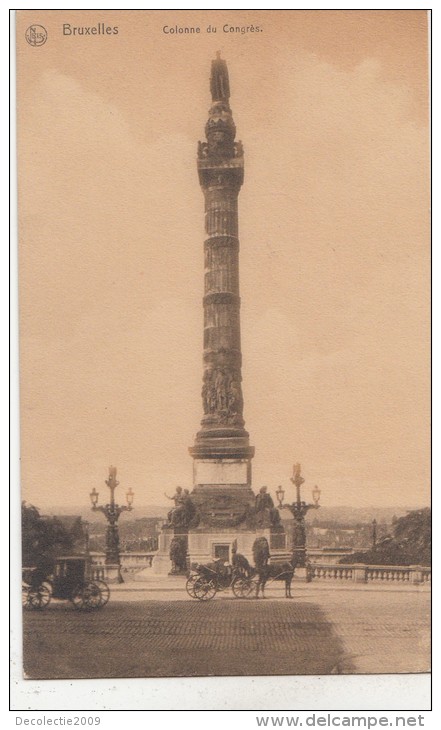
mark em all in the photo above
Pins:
pixel 204 590
pixel 24 595
pixel 87 597
pixel 244 587
pixel 104 591
pixel 189 586
pixel 38 598
pixel 92 595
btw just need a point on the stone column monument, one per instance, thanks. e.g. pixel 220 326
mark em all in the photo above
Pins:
pixel 222 453
pixel 224 509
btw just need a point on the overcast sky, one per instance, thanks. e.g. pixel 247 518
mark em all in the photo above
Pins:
pixel 334 263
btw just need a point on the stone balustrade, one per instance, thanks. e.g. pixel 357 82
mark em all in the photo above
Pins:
pixel 358 573
pixel 411 574
pixel 342 572
pixel 135 560
pixel 426 575
pixel 98 572
pixel 139 559
pixel 388 573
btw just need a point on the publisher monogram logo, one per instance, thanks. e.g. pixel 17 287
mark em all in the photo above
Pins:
pixel 36 35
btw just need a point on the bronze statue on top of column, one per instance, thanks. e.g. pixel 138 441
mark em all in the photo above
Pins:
pixel 219 81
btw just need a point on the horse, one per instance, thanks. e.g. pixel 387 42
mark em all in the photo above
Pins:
pixel 275 571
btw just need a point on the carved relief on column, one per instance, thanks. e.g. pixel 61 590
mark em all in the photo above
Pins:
pixel 222 396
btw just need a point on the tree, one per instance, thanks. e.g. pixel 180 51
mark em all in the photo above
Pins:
pixel 43 538
pixel 411 543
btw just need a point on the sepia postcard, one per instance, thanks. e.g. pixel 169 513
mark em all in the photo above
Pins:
pixel 224 331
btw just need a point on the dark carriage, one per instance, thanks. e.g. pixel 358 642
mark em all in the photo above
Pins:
pixel 207 580
pixel 70 580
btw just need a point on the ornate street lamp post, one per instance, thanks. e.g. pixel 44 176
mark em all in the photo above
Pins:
pixel 374 533
pixel 299 510
pixel 86 537
pixel 111 512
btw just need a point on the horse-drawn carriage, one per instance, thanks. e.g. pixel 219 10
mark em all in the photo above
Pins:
pixel 244 580
pixel 69 580
pixel 205 581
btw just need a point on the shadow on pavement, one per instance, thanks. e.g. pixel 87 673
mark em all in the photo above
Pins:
pixel 187 639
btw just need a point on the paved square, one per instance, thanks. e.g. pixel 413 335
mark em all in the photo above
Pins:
pixel 322 631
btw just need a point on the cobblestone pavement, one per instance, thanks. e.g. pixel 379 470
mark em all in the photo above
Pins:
pixel 319 632
pixel 382 632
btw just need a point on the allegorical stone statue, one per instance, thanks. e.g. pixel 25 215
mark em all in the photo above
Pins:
pixel 264 508
pixel 178 554
pixel 178 500
pixel 184 511
pixel 190 512
pixel 261 552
